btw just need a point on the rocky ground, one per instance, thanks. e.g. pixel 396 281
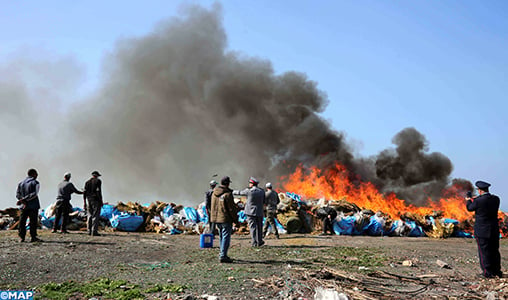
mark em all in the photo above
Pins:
pixel 121 265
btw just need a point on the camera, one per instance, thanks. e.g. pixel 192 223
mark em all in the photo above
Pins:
pixel 469 194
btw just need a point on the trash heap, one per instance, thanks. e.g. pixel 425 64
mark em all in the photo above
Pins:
pixel 294 216
pixel 9 218
pixel 353 220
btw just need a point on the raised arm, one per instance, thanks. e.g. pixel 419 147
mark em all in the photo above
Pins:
pixel 241 193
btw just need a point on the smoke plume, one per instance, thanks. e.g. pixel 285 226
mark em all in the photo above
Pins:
pixel 176 107
pixel 409 171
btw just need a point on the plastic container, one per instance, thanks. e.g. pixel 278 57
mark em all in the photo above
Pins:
pixel 206 240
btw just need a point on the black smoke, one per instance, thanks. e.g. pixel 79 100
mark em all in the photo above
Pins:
pixel 410 171
pixel 176 106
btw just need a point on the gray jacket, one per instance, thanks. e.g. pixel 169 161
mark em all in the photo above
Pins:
pixel 272 200
pixel 65 189
pixel 255 200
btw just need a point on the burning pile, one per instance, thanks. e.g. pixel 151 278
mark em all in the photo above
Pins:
pixel 361 210
pixel 295 216
pixel 364 210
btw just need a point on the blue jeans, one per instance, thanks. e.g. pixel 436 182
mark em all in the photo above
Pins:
pixel 225 238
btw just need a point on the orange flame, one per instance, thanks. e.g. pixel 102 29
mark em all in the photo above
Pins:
pixel 335 183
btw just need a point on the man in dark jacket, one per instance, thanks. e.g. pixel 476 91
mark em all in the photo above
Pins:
pixel 93 194
pixel 208 204
pixel 28 200
pixel 63 202
pixel 254 210
pixel 486 229
pixel 327 215
pixel 272 200
pixel 223 213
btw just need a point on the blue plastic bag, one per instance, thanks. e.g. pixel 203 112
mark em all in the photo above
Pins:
pixel 47 222
pixel 107 211
pixel 453 221
pixel 204 216
pixel 344 226
pixel 241 216
pixel 375 228
pixel 126 222
pixel 168 212
pixel 191 214
pixel 416 230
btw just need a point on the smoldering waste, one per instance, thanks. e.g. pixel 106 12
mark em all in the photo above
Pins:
pixel 295 215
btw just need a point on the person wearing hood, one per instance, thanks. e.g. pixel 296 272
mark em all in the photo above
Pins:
pixel 223 213
pixel 254 210
pixel 28 200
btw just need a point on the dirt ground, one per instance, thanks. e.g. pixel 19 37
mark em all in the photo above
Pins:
pixel 159 266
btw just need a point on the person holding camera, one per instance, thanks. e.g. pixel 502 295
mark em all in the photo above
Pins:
pixel 486 229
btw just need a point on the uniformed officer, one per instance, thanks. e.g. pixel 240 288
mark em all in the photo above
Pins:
pixel 93 194
pixel 486 229
pixel 254 210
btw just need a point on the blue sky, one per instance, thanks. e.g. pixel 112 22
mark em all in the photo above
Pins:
pixel 438 66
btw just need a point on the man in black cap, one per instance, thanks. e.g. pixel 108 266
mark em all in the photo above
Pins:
pixel 63 202
pixel 223 213
pixel 28 200
pixel 486 229
pixel 93 193
pixel 254 210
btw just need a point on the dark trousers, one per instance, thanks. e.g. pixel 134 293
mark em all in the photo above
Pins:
pixel 270 221
pixel 62 212
pixel 94 212
pixel 327 225
pixel 34 218
pixel 488 253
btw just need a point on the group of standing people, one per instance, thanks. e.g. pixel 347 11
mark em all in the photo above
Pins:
pixel 27 194
pixel 223 212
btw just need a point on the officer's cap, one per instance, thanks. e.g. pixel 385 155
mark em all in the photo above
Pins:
pixel 482 185
pixel 253 181
pixel 268 185
pixel 213 183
